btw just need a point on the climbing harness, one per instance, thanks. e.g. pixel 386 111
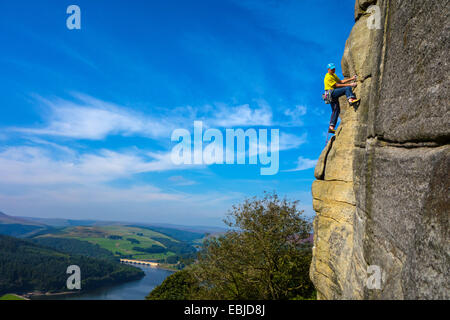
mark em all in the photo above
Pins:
pixel 327 98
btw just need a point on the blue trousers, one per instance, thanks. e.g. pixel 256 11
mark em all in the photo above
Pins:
pixel 335 107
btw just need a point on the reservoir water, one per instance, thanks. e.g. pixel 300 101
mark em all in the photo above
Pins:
pixel 133 290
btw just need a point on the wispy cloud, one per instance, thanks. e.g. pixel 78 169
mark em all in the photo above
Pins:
pixel 295 116
pixel 244 116
pixel 90 118
pixel 181 181
pixel 290 141
pixel 88 195
pixel 40 166
pixel 303 164
pixel 86 117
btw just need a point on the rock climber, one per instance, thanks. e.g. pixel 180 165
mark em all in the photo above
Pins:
pixel 338 88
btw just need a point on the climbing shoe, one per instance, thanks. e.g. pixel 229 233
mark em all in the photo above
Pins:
pixel 331 131
pixel 353 100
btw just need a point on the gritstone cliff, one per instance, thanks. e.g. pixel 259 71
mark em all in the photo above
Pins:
pixel 382 189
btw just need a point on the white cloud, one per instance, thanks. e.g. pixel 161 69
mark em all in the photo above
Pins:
pixel 295 116
pixel 68 195
pixel 290 141
pixel 244 116
pixel 40 166
pixel 181 181
pixel 50 163
pixel 296 112
pixel 303 164
pixel 45 178
pixel 95 119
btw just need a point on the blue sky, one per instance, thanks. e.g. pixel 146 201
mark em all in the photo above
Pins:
pixel 87 115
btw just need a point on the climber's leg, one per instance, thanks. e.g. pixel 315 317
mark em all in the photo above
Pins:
pixel 349 92
pixel 336 109
pixel 338 92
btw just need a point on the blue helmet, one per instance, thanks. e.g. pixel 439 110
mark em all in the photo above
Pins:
pixel 331 66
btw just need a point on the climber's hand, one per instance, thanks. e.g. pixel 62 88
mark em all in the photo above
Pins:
pixel 353 84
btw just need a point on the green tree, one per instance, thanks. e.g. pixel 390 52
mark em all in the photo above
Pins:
pixel 178 286
pixel 260 257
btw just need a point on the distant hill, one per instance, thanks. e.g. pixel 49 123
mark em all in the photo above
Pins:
pixel 26 227
pixel 20 230
pixel 20 227
pixel 61 222
pixel 194 229
pixel 6 219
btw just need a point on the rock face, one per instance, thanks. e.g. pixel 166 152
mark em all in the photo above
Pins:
pixel 383 184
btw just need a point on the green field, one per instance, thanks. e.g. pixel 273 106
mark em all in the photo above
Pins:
pixel 101 236
pixel 11 297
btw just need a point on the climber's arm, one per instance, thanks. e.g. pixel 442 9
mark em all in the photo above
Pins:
pixel 342 84
pixel 347 80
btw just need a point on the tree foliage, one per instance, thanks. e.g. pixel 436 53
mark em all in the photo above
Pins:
pixel 178 286
pixel 260 257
